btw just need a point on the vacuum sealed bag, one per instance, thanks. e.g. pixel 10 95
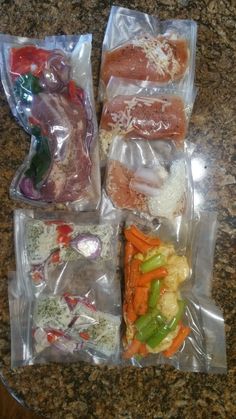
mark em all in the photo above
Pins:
pixel 141 47
pixel 65 300
pixel 48 84
pixel 168 313
pixel 145 111
pixel 150 178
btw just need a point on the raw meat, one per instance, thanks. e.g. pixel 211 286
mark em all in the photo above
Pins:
pixel 152 118
pixel 118 188
pixel 64 124
pixel 155 59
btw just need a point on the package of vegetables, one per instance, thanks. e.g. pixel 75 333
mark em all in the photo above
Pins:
pixel 153 308
pixel 167 319
pixel 65 298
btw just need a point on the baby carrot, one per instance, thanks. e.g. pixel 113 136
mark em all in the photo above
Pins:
pixel 139 244
pixel 177 341
pixel 134 272
pixel 130 313
pixel 133 349
pixel 152 241
pixel 141 300
pixel 143 350
pixel 145 279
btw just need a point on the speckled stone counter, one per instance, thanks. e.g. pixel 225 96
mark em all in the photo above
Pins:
pixel 80 390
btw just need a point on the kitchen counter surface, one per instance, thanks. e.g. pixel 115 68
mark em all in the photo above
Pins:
pixel 80 390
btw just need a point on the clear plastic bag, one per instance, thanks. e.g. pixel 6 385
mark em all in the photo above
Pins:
pixel 77 314
pixel 150 178
pixel 65 301
pixel 144 110
pixel 141 47
pixel 48 84
pixel 169 315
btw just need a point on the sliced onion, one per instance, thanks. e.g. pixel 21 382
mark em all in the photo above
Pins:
pixel 144 188
pixel 27 189
pixel 88 245
pixel 153 176
pixel 56 73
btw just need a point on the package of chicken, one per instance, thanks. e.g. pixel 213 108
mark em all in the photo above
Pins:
pixel 141 47
pixel 150 179
pixel 48 84
pixel 137 110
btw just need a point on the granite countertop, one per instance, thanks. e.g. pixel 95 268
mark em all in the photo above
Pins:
pixel 81 390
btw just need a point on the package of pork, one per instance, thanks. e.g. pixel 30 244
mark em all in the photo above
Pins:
pixel 48 84
pixel 141 47
pixel 65 298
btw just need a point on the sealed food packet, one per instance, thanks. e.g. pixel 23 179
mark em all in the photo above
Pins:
pixel 48 84
pixel 65 298
pixel 169 315
pixel 145 111
pixel 150 178
pixel 141 47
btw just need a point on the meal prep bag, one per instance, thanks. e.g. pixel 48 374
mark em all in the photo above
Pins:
pixel 144 111
pixel 48 84
pixel 151 179
pixel 65 298
pixel 169 315
pixel 141 47
pixel 66 309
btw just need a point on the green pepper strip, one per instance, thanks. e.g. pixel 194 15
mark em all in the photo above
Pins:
pixel 154 293
pixel 153 263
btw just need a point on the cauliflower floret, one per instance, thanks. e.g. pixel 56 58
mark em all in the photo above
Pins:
pixel 164 249
pixel 178 271
pixel 168 304
pixel 165 344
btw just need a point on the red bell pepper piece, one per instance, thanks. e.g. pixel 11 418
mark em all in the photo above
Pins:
pixel 53 335
pixel 64 229
pixel 28 59
pixel 76 94
pixel 84 335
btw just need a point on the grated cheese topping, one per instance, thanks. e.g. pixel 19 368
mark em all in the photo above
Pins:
pixel 160 54
pixel 105 140
pixel 123 119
